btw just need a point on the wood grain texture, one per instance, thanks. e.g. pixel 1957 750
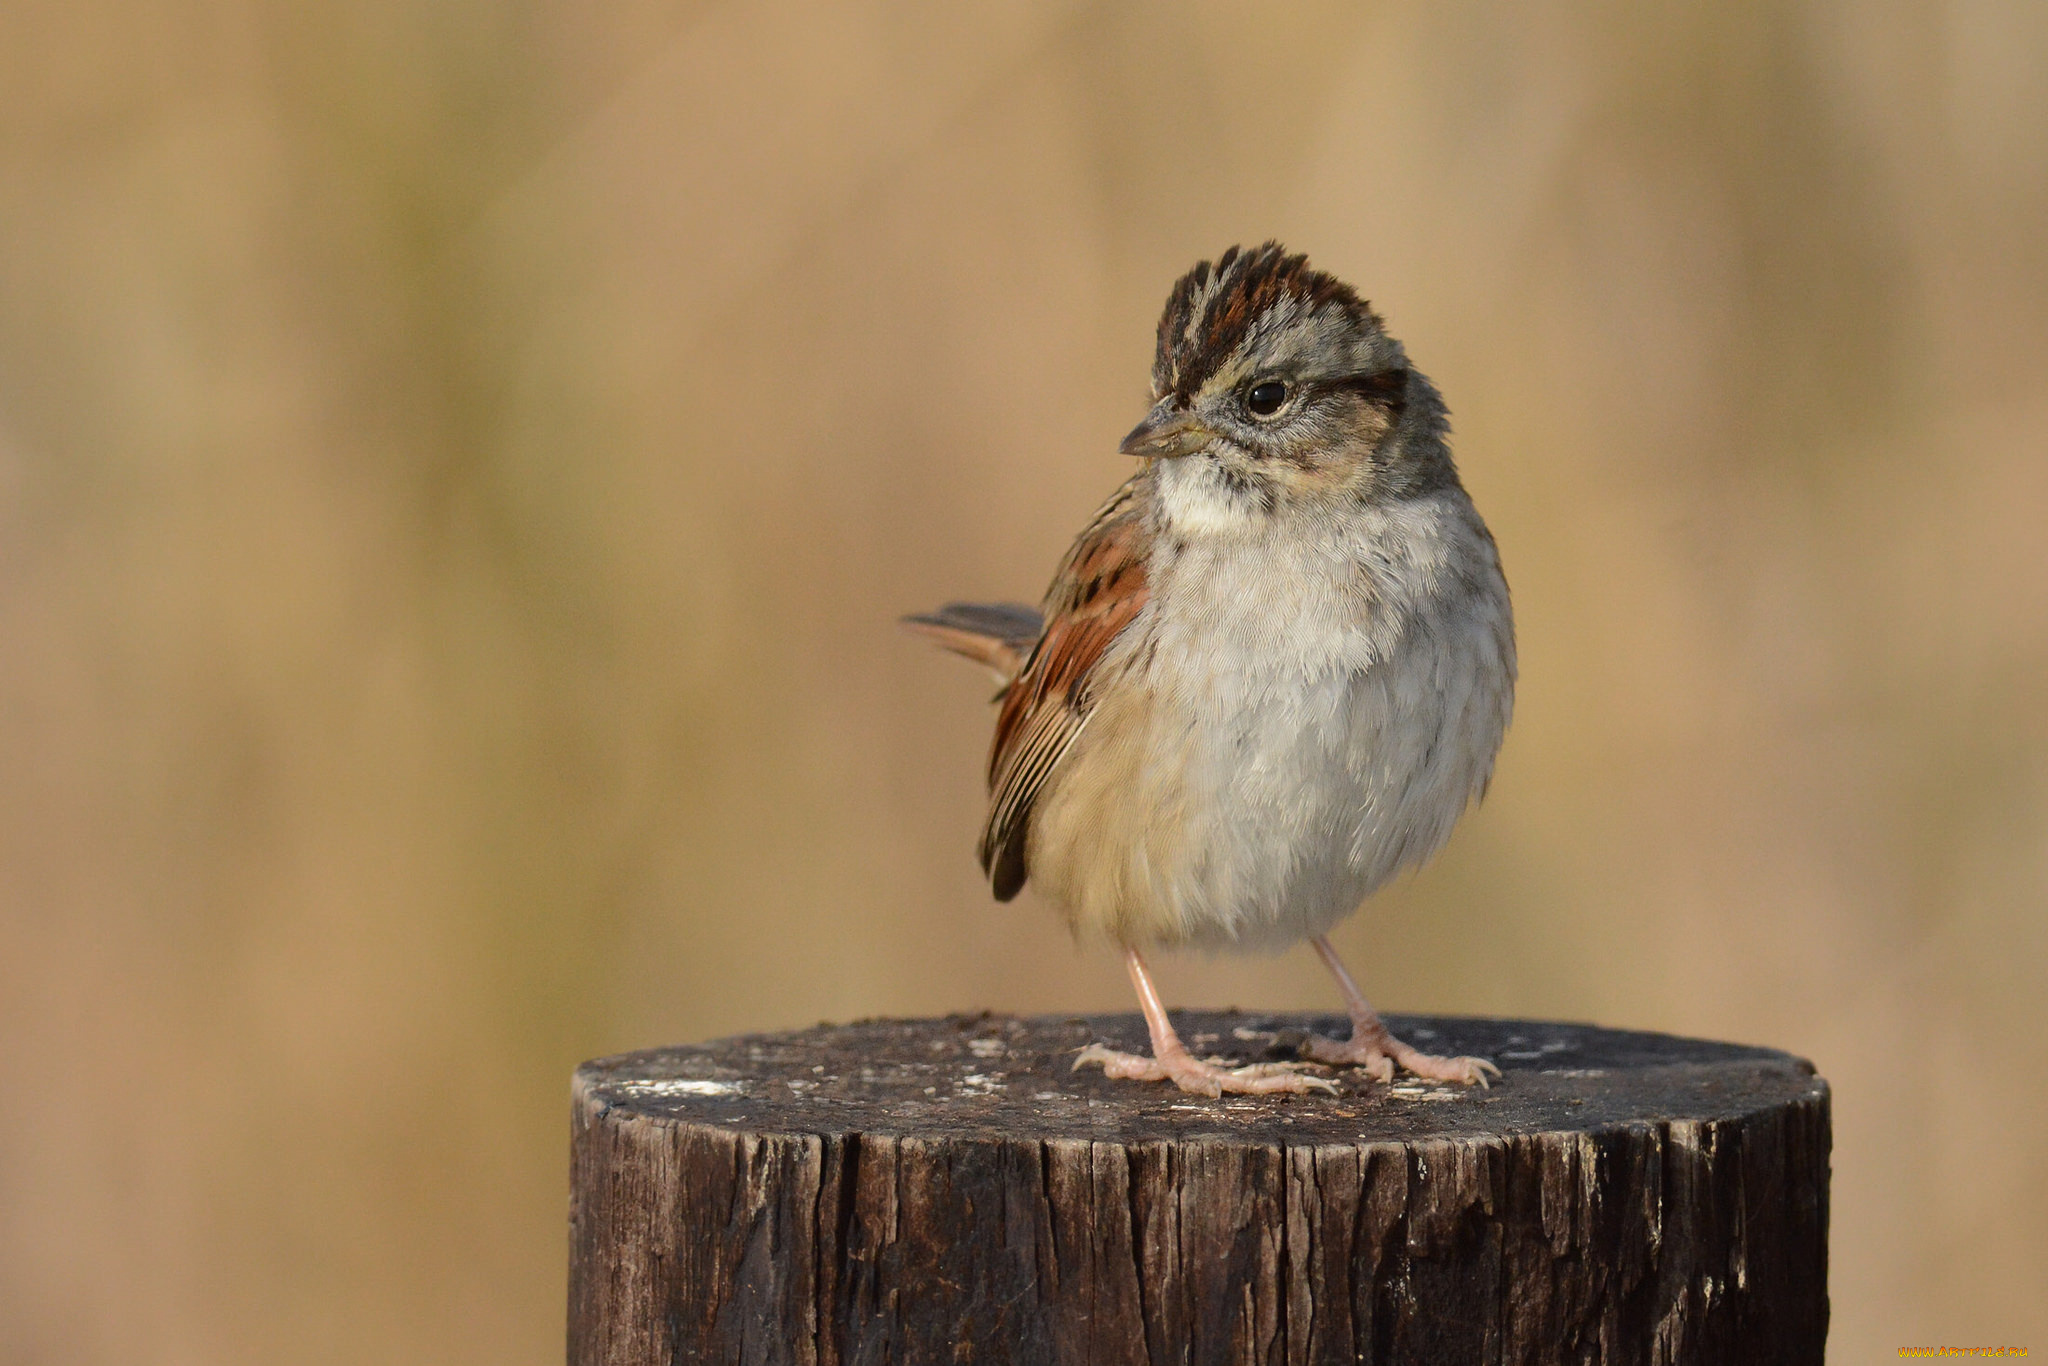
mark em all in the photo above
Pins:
pixel 948 1191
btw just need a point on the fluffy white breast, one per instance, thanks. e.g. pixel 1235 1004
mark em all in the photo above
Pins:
pixel 1304 708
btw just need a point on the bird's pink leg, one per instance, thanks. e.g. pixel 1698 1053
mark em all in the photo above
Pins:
pixel 1373 1047
pixel 1171 1061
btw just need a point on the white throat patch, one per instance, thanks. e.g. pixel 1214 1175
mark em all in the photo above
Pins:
pixel 1195 499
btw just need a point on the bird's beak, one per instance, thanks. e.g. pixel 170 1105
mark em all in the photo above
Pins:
pixel 1168 432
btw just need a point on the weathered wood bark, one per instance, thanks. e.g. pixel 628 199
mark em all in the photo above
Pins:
pixel 948 1190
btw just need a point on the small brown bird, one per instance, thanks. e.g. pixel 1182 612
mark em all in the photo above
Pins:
pixel 1273 671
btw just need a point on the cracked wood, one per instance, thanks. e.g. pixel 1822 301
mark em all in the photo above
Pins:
pixel 947 1190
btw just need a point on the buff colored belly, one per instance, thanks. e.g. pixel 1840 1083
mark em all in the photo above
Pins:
pixel 1258 815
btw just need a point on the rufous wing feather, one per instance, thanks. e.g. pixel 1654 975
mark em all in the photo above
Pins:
pixel 1099 590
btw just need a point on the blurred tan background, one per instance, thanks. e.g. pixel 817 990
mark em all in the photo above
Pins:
pixel 459 464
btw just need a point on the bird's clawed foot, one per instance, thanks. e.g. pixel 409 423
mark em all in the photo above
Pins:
pixel 1190 1073
pixel 1379 1053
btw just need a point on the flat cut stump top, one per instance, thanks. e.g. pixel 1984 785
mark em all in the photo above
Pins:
pixel 996 1077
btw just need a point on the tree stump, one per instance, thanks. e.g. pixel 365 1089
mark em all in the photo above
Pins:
pixel 950 1191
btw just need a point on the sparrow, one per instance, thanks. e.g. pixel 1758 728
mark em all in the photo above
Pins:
pixel 1270 675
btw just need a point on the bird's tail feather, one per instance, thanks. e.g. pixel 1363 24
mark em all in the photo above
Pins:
pixel 996 635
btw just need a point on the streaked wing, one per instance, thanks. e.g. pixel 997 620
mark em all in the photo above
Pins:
pixel 1098 590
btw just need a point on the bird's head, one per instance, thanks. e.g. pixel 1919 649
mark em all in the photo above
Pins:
pixel 1276 387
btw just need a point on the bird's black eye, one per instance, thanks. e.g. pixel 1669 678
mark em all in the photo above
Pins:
pixel 1264 399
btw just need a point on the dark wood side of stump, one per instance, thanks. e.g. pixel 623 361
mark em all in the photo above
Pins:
pixel 948 1191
